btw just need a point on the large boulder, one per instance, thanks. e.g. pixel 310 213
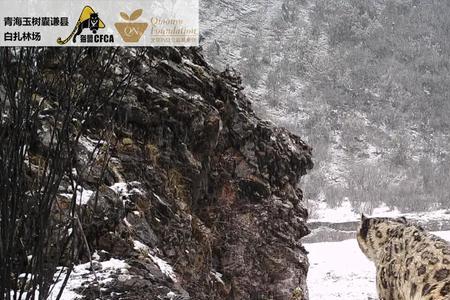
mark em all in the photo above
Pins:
pixel 191 189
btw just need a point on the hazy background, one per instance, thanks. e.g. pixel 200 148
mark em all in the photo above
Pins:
pixel 365 82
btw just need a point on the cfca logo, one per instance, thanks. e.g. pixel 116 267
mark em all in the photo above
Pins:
pixel 90 20
pixel 130 31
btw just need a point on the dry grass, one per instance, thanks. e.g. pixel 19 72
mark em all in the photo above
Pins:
pixel 152 152
pixel 177 186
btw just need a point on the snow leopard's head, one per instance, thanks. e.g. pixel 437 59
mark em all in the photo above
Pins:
pixel 374 233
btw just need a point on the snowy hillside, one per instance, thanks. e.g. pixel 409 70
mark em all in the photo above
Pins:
pixel 357 81
pixel 339 270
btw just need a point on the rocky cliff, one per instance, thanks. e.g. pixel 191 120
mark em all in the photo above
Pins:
pixel 181 190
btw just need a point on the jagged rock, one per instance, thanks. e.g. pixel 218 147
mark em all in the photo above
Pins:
pixel 197 178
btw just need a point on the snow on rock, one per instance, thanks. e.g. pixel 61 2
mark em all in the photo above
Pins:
pixel 82 276
pixel 83 195
pixel 127 189
pixel 218 277
pixel 180 91
pixel 339 270
pixel 127 223
pixel 165 268
pixel 141 247
pixel 171 295
pixel 89 144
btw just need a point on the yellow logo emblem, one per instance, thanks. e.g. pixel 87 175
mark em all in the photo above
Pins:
pixel 130 31
pixel 88 20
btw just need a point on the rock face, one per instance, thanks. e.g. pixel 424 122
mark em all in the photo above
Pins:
pixel 199 196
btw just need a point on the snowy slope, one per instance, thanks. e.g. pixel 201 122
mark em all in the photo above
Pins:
pixel 339 270
pixel 320 211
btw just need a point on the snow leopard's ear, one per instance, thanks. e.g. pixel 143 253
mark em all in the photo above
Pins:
pixel 363 218
pixel 364 229
pixel 402 220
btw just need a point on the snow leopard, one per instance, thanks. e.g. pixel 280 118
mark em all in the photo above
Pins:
pixel 411 264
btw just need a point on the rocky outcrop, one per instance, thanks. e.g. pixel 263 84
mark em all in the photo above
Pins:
pixel 194 192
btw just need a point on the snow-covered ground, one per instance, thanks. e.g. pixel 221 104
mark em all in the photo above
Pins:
pixel 321 212
pixel 339 270
pixel 82 276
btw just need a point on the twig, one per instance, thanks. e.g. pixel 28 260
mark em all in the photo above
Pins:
pixel 89 255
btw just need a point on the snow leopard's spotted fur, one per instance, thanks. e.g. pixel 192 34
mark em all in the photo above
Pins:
pixel 411 263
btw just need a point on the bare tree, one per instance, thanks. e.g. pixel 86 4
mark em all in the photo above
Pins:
pixel 48 97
